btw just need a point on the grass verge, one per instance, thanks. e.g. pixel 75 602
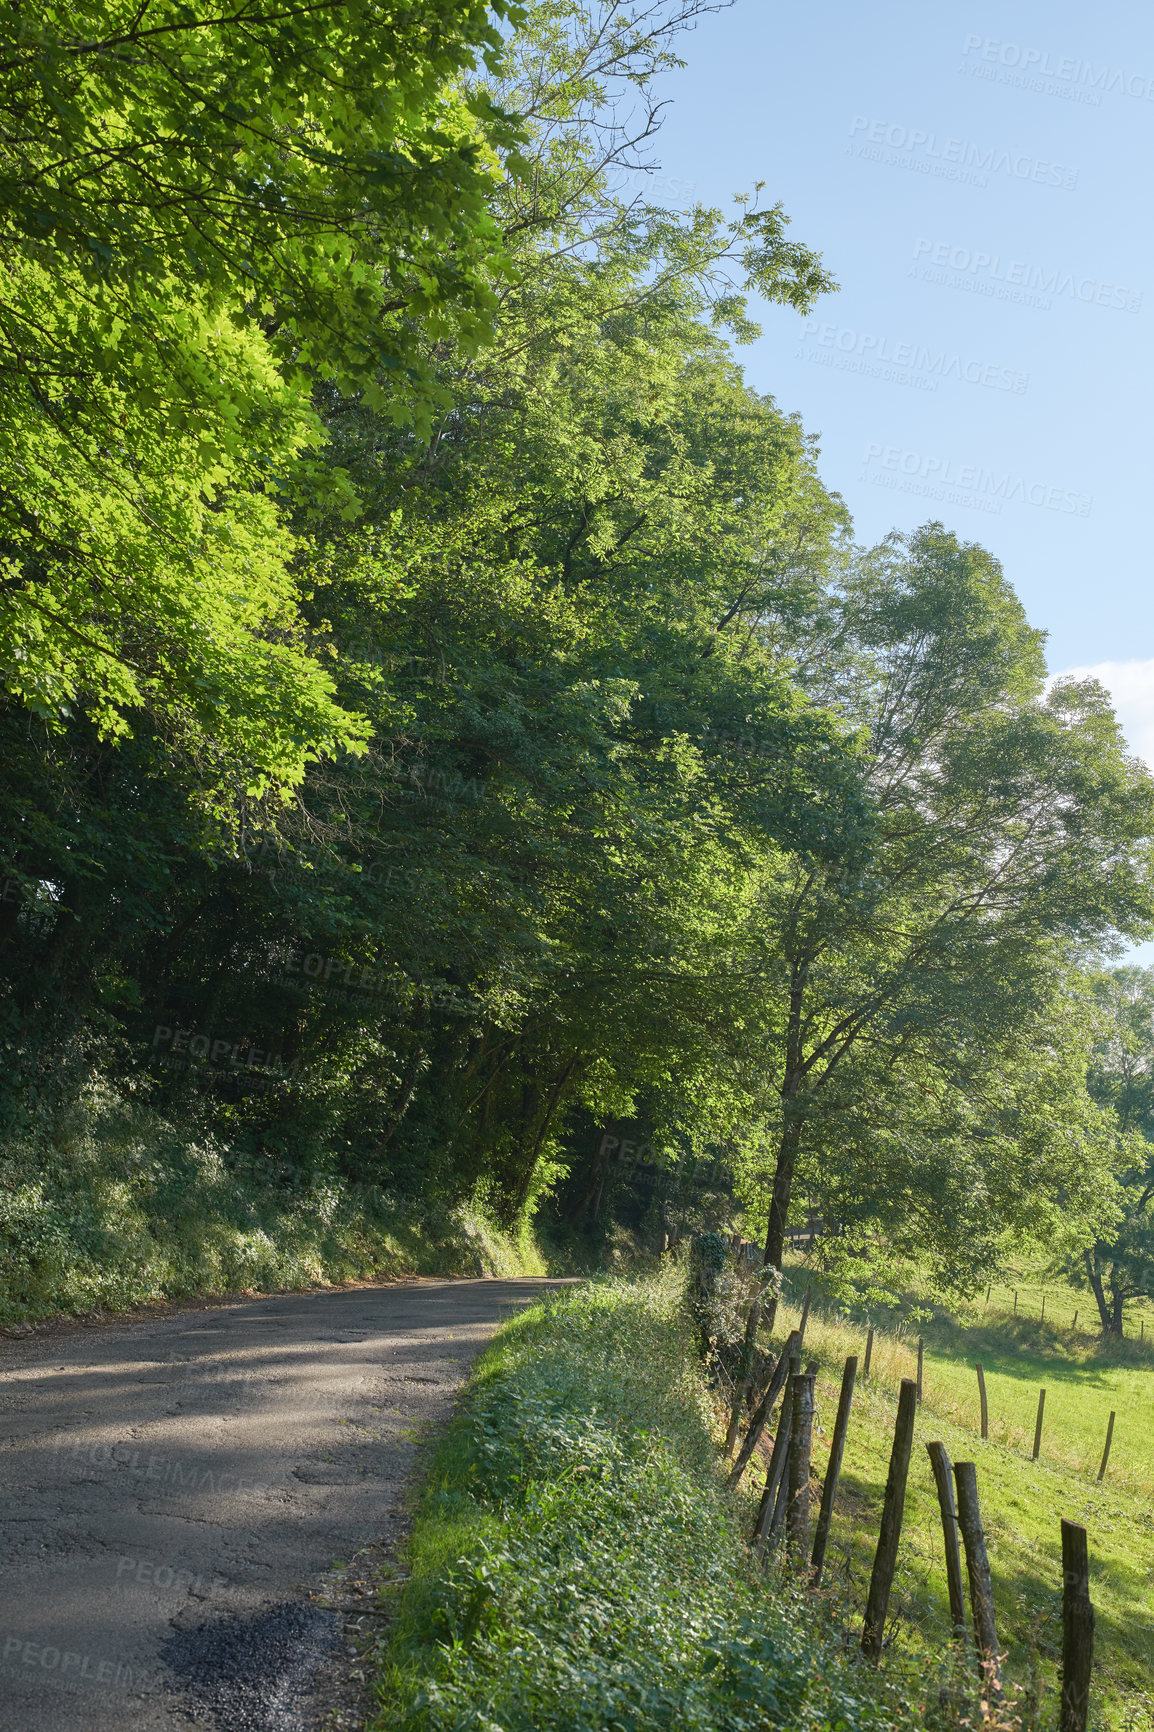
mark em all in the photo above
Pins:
pixel 576 1564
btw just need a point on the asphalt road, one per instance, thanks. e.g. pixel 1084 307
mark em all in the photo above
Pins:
pixel 174 1489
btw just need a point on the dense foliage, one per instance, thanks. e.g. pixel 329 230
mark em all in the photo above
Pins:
pixel 203 215
pixel 451 736
pixel 1118 1261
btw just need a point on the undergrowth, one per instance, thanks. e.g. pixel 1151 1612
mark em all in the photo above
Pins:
pixel 121 1207
pixel 576 1563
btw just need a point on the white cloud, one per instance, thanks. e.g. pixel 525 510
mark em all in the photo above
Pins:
pixel 1131 686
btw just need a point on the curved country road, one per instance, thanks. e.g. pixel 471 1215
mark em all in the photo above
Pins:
pixel 173 1489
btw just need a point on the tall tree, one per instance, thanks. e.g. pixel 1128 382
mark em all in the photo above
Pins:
pixel 1010 821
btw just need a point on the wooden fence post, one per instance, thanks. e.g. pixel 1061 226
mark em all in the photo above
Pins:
pixel 943 1479
pixel 781 1501
pixel 744 1377
pixel 1077 1629
pixel 893 1509
pixel 804 1314
pixel 978 1570
pixel 1043 1307
pixel 921 1355
pixel 767 1506
pixel 800 1453
pixel 1106 1451
pixel 762 1412
pixel 1038 1426
pixel 1074 1324
pixel 869 1352
pixel 833 1471
pixel 1015 1301
pixel 982 1399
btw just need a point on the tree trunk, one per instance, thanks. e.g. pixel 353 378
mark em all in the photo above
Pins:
pixel 794 1116
pixel 11 899
pixel 779 1203
pixel 409 1080
pixel 1095 1280
pixel 521 1194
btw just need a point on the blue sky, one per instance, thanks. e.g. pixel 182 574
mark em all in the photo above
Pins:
pixel 978 180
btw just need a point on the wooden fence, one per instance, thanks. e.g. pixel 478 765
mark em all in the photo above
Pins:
pixel 781 1524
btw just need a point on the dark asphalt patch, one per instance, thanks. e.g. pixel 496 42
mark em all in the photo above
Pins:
pixel 251 1672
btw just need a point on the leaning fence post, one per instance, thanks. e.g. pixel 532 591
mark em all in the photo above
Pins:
pixel 869 1352
pixel 1077 1629
pixel 804 1314
pixel 833 1471
pixel 762 1412
pixel 781 1501
pixel 1106 1451
pixel 1038 1426
pixel 886 1557
pixel 940 1462
pixel 978 1570
pixel 982 1398
pixel 744 1378
pixel 800 1452
pixel 766 1507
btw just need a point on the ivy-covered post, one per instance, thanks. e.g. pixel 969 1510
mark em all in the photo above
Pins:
pixel 708 1259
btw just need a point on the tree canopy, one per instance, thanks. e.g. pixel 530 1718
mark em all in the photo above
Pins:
pixel 447 714
pixel 204 214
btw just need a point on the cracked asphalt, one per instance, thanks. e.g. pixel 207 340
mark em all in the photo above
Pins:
pixel 175 1488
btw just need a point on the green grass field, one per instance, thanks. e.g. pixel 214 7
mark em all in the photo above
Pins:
pixel 1022 1500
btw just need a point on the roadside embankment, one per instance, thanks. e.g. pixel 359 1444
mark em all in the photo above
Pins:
pixel 125 1208
pixel 576 1563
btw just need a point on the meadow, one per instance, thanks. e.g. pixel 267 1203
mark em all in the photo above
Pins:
pixel 1022 1500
